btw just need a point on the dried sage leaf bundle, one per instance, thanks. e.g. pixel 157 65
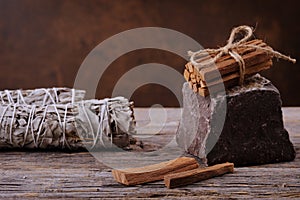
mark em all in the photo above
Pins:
pixel 59 118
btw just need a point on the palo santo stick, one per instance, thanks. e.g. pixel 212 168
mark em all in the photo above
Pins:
pixel 187 177
pixel 232 80
pixel 198 79
pixel 186 75
pixel 190 84
pixel 226 64
pixel 193 80
pixel 241 51
pixel 191 68
pixel 195 88
pixel 203 92
pixel 230 65
pixel 255 61
pixel 150 173
pixel 249 71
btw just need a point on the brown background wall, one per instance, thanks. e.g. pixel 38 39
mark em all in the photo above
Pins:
pixel 43 43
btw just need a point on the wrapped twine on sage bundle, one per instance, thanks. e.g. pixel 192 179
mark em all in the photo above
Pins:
pixel 59 118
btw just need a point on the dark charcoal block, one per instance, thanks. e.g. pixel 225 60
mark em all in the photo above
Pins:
pixel 253 131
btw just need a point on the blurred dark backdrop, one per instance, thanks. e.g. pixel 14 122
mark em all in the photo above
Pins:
pixel 43 43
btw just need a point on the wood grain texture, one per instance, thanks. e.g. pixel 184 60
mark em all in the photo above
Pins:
pixel 226 64
pixel 38 175
pixel 226 70
pixel 199 174
pixel 231 79
pixel 155 172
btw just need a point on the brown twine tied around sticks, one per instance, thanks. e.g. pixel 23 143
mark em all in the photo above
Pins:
pixel 230 47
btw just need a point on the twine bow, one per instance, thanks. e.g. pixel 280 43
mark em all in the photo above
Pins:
pixel 230 49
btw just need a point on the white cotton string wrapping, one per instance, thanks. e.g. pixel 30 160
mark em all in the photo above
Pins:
pixel 11 123
pixel 230 49
pixel 4 111
pixel 103 112
pixel 44 122
pixel 10 100
pixel 88 121
pixel 2 101
pixel 41 124
pixel 20 95
pixel 73 95
pixel 31 127
pixel 64 124
pixel 27 127
pixel 37 96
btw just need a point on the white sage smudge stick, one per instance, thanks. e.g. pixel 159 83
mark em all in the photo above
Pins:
pixel 58 118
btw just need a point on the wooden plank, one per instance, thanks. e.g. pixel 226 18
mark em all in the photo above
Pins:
pixel 28 175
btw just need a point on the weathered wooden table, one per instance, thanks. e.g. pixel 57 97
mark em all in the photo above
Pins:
pixel 80 175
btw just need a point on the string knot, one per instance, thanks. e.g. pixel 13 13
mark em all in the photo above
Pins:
pixel 225 49
pixel 233 43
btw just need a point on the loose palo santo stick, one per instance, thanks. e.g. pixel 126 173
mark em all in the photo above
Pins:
pixel 187 177
pixel 150 173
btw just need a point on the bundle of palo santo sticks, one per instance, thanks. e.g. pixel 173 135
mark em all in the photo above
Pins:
pixel 229 65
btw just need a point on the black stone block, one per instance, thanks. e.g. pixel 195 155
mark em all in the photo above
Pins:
pixel 243 126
